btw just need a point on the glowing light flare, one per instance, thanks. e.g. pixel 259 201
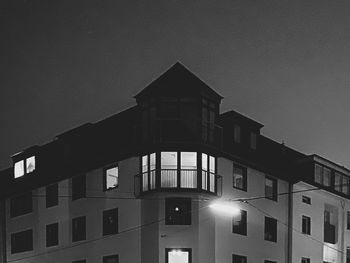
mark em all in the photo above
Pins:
pixel 225 208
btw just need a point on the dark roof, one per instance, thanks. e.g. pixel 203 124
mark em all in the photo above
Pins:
pixel 177 81
pixel 234 115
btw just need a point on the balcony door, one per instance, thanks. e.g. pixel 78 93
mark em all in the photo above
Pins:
pixel 182 255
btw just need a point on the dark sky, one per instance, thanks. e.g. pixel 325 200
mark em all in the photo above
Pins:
pixel 284 63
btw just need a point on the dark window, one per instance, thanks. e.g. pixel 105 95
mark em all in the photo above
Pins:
pixel 177 255
pixel 79 261
pixel 269 261
pixel 306 225
pixel 21 204
pixel 271 188
pixel 240 177
pixel 270 229
pixel 52 195
pixel 347 255
pixel 305 260
pixel 110 177
pixel 348 221
pixel 52 235
pixel 239 259
pixel 239 223
pixel 78 228
pixel 237 134
pixel 253 138
pixel 178 211
pixel 110 221
pixel 111 259
pixel 306 200
pixel 78 187
pixel 22 241
pixel 329 234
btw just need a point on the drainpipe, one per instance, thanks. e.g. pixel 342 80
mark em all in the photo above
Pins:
pixel 3 257
pixel 290 223
pixel 342 203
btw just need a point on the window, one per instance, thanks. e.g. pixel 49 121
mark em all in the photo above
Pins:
pixel 348 221
pixel 345 185
pixel 305 260
pixel 110 177
pixel 239 259
pixel 337 182
pixel 78 187
pixel 269 261
pixel 318 173
pixel 240 177
pixel 24 167
pixel 306 200
pixel 51 195
pixel 21 204
pixel 270 188
pixel 237 134
pixel 110 222
pixel 178 255
pixel 19 169
pixel 178 211
pixel 168 169
pixel 111 259
pixel 52 235
pixel 306 225
pixel 347 255
pixel 188 177
pixel 326 176
pixel 253 138
pixel 239 223
pixel 78 228
pixel 22 241
pixel 270 229
pixel 329 234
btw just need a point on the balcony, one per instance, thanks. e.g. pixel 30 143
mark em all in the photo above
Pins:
pixel 178 180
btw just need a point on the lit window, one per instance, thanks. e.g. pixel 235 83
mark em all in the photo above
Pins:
pixel 19 169
pixel 111 177
pixel 239 177
pixel 212 170
pixel 306 225
pixel 175 255
pixel 188 170
pixel 30 164
pixel 204 171
pixel 168 169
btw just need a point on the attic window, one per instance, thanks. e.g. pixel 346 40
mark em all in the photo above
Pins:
pixel 24 167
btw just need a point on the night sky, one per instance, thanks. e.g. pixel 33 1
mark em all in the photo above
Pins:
pixel 283 63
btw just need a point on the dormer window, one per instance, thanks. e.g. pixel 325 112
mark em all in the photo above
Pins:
pixel 237 134
pixel 24 167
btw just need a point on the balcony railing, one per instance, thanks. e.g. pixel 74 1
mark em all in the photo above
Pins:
pixel 191 180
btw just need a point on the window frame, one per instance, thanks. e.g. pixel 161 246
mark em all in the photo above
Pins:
pixel 185 218
pixel 27 243
pixel 305 260
pixel 244 175
pixel 76 236
pixel 105 258
pixel 274 196
pixel 274 236
pixel 240 257
pixel 242 228
pixel 306 225
pixel 104 179
pixel 105 230
pixel 306 200
pixel 51 242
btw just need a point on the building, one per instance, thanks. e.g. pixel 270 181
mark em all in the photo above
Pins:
pixel 173 180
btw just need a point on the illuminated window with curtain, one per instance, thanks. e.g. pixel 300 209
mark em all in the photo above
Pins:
pixel 145 173
pixel 211 174
pixel 204 171
pixel 168 164
pixel 188 170
pixel 178 255
pixel 208 172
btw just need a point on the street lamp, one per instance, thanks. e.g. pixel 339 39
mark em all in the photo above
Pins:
pixel 225 208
